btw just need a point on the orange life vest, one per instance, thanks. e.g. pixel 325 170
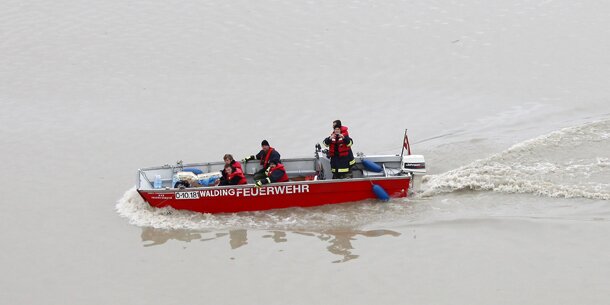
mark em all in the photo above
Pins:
pixel 265 160
pixel 237 172
pixel 280 167
pixel 342 147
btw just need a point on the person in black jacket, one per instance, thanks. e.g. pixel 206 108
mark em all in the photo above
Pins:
pixel 339 150
pixel 266 155
pixel 275 173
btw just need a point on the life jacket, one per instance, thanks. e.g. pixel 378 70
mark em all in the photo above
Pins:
pixel 236 165
pixel 344 131
pixel 237 172
pixel 279 167
pixel 343 148
pixel 265 160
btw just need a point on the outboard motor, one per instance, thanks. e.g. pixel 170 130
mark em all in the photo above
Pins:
pixel 415 165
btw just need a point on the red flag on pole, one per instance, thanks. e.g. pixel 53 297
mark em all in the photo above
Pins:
pixel 405 145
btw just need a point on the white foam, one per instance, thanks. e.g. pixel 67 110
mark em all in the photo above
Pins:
pixel 569 163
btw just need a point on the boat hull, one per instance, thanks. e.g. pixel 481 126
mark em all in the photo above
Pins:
pixel 232 199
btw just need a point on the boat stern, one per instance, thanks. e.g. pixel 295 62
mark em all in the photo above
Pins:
pixel 415 165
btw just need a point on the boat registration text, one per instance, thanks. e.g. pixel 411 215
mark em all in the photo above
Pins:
pixel 245 192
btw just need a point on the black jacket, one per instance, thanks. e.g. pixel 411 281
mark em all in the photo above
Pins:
pixel 262 155
pixel 341 163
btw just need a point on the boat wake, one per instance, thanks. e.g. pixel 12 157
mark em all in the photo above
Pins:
pixel 570 163
pixel 566 163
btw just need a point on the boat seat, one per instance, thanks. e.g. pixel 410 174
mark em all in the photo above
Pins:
pixel 366 173
pixel 361 173
pixel 301 173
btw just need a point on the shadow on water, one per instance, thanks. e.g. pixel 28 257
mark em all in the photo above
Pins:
pixel 339 241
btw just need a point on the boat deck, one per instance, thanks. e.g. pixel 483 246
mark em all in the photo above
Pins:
pixel 298 169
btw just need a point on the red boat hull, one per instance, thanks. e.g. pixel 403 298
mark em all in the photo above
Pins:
pixel 232 199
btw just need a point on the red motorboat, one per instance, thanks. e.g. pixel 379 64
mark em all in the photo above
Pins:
pixel 374 176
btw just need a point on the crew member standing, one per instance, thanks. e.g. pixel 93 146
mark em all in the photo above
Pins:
pixel 344 132
pixel 339 147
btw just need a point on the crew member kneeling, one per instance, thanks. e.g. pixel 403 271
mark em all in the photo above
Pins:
pixel 232 176
pixel 275 173
pixel 266 155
